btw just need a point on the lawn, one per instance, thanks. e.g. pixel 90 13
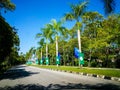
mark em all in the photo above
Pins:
pixel 98 71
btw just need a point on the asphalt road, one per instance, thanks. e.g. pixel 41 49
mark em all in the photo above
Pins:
pixel 24 77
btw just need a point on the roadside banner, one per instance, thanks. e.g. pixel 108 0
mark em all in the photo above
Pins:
pixel 76 52
pixel 47 61
pixel 58 59
pixel 79 55
pixel 41 61
pixel 81 58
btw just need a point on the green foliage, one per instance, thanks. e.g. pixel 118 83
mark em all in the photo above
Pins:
pixel 100 42
pixel 6 5
pixel 100 38
pixel 9 46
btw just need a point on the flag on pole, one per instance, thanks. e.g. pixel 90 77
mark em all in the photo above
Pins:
pixel 47 61
pixel 58 59
pixel 58 55
pixel 79 55
pixel 76 52
pixel 41 61
pixel 81 59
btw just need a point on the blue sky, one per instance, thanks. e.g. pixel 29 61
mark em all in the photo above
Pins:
pixel 31 15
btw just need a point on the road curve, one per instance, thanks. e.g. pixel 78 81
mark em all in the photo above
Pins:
pixel 24 77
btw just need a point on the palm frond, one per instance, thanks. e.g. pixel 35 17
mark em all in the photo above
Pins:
pixel 38 35
pixel 41 42
pixel 69 16
pixel 109 6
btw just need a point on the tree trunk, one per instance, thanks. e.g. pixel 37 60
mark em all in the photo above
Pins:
pixel 41 54
pixel 47 51
pixel 79 42
pixel 56 48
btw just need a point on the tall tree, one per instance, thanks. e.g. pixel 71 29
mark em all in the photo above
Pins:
pixel 41 43
pixel 77 11
pixel 58 30
pixel 9 41
pixel 47 35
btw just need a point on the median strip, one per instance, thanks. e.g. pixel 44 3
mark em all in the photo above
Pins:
pixel 109 74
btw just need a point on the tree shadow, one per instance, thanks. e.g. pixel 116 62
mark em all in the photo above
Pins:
pixel 69 86
pixel 83 86
pixel 20 66
pixel 16 73
pixel 24 87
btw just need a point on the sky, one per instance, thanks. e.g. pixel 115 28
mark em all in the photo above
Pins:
pixel 31 15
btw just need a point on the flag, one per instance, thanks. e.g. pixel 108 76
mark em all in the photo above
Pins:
pixel 58 55
pixel 47 61
pixel 76 52
pixel 58 59
pixel 81 59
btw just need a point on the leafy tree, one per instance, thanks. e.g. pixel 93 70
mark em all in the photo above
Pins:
pixel 9 44
pixel 77 11
pixel 39 50
pixel 6 5
pixel 47 35
pixel 58 30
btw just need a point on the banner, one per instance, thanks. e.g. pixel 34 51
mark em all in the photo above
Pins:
pixel 47 61
pixel 58 59
pixel 76 52
pixel 79 55
pixel 41 61
pixel 81 59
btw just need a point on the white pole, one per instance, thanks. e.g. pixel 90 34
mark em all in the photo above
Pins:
pixel 79 43
pixel 47 50
pixel 79 40
pixel 41 54
pixel 56 48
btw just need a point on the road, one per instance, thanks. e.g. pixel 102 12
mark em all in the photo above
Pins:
pixel 24 77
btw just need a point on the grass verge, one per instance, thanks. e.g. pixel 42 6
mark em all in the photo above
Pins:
pixel 98 71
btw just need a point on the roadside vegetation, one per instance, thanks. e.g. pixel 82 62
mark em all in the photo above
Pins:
pixel 97 71
pixel 100 39
pixel 9 40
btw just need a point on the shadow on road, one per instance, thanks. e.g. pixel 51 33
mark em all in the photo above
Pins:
pixel 17 72
pixel 69 86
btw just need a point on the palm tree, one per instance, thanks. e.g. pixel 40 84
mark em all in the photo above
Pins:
pixel 41 43
pixel 47 35
pixel 75 14
pixel 77 11
pixel 58 30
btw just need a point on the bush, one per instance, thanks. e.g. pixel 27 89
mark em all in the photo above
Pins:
pixel 93 64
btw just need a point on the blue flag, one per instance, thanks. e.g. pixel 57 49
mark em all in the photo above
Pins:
pixel 76 52
pixel 58 55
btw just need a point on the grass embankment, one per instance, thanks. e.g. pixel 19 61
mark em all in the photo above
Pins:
pixel 98 71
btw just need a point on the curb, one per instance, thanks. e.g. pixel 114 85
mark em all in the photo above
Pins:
pixel 91 75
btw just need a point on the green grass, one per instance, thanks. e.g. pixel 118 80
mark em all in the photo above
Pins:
pixel 98 71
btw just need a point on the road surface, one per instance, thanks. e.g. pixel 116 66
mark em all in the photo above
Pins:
pixel 24 77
